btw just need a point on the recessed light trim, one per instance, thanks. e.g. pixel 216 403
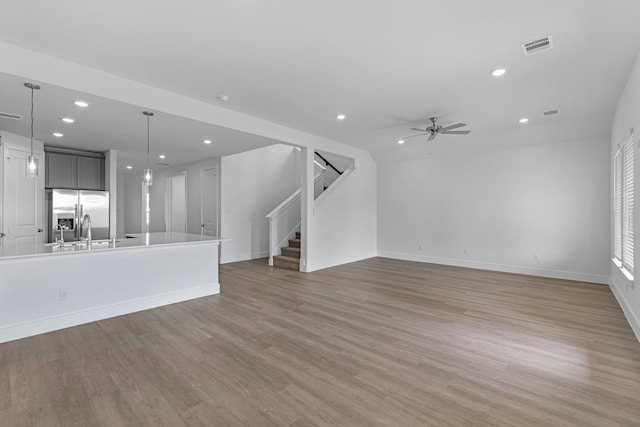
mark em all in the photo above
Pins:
pixel 523 120
pixel 57 134
pixel 223 98
pixel 68 120
pixel 207 141
pixel 129 167
pixel 401 141
pixel 81 104
pixel 162 156
pixel 499 72
pixel 341 117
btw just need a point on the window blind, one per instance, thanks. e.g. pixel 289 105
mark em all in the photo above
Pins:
pixel 617 206
pixel 627 205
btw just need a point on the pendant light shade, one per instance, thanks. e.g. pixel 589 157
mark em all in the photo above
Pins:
pixel 147 177
pixel 32 161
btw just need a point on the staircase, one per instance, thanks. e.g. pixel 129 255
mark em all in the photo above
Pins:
pixel 290 258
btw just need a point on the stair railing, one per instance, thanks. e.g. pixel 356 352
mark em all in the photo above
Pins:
pixel 284 221
pixel 327 162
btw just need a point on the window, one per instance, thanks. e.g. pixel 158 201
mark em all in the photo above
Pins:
pixel 623 207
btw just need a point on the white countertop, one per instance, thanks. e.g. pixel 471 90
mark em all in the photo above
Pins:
pixel 140 240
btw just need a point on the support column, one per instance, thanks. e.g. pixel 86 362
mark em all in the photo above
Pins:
pixel 306 206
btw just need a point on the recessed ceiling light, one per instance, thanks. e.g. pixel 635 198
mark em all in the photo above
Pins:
pixel 341 117
pixel 57 134
pixel 207 141
pixel 81 104
pixel 524 120
pixel 498 72
pixel 401 141
pixel 129 167
pixel 162 156
pixel 223 98
pixel 68 120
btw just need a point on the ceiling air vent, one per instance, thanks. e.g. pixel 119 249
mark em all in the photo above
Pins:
pixel 537 45
pixel 10 116
pixel 163 164
pixel 550 113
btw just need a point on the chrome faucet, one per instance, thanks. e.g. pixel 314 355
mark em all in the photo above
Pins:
pixel 61 230
pixel 87 219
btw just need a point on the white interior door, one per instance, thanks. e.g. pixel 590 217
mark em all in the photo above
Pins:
pixel 176 204
pixel 209 201
pixel 23 216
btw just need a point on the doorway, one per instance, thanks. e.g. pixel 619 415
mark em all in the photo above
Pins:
pixel 22 210
pixel 176 203
pixel 209 202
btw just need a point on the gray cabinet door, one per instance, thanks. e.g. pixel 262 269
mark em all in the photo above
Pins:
pixel 61 170
pixel 90 173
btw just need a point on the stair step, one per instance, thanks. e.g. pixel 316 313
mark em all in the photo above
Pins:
pixel 291 252
pixel 286 262
pixel 294 243
pixel 298 235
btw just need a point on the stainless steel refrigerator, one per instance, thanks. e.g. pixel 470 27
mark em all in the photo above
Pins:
pixel 67 208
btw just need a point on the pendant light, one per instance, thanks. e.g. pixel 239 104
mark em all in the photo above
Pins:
pixel 147 177
pixel 32 161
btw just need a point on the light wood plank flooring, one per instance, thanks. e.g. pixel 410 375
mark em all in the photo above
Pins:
pixel 377 342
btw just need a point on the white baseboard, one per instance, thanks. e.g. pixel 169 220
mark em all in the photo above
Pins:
pixel 254 255
pixel 328 262
pixel 631 316
pixel 532 271
pixel 41 326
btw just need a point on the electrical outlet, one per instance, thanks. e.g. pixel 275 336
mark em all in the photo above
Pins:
pixel 536 258
pixel 63 295
pixel 466 251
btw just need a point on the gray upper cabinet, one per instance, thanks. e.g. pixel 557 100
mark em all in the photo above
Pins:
pixel 62 170
pixel 90 173
pixel 74 171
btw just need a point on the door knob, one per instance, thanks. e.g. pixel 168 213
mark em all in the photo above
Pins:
pixel 40 230
pixel 2 235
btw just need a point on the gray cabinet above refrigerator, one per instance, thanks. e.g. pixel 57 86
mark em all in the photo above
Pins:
pixel 74 169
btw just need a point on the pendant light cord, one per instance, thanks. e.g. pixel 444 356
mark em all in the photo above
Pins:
pixel 32 121
pixel 148 140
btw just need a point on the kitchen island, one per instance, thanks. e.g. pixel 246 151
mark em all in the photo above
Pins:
pixel 46 287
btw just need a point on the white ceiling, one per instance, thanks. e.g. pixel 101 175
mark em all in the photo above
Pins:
pixel 387 65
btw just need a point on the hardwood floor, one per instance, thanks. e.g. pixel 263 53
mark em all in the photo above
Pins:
pixel 377 342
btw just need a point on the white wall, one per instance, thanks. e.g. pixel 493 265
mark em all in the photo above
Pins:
pixel 252 184
pixel 627 116
pixel 550 200
pixel 343 220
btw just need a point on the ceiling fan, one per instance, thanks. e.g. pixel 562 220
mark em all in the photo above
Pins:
pixel 436 129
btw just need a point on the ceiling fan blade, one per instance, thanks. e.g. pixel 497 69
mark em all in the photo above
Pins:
pixel 456 126
pixel 456 132
pixel 412 136
pixel 432 137
pixel 419 130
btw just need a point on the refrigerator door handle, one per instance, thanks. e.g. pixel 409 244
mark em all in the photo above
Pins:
pixel 77 227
